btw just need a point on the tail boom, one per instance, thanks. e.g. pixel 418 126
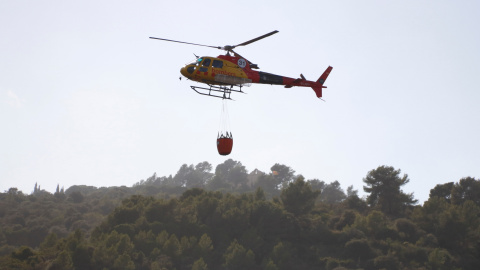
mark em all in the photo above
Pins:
pixel 317 86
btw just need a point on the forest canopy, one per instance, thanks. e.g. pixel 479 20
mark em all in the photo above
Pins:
pixel 230 218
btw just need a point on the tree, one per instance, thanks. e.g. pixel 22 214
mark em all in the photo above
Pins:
pixel 191 177
pixel 229 175
pixel 49 243
pixel 386 262
pixel 204 169
pixel 442 191
pixel 13 194
pixel 299 198
pixel 185 171
pixel 59 193
pixel 282 174
pixel 267 183
pixel 358 249
pixel 63 261
pixel 270 265
pixel 351 192
pixel 199 265
pixel 23 253
pixel 440 259
pixel 317 184
pixel 172 247
pixel 77 197
pixel 348 218
pixel 466 189
pixel 384 184
pixel 124 262
pixel 204 247
pixel 238 177
pixel 282 256
pixel 408 229
pixel 81 257
pixel 237 257
pixel 332 193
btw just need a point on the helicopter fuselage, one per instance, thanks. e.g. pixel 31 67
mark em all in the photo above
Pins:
pixel 233 70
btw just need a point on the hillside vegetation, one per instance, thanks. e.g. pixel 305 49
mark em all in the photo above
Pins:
pixel 232 219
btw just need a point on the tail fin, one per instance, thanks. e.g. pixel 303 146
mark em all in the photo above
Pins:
pixel 318 88
pixel 324 76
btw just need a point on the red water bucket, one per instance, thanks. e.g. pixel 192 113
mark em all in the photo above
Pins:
pixel 224 146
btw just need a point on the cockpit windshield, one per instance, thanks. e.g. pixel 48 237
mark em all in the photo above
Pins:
pixel 199 60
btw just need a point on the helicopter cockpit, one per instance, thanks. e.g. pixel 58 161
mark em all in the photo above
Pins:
pixel 190 68
pixel 202 64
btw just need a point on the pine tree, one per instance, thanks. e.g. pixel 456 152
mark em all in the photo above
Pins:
pixel 383 185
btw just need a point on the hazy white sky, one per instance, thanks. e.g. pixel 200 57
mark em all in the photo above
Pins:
pixel 87 98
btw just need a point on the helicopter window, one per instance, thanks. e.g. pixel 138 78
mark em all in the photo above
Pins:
pixel 217 64
pixel 206 62
pixel 203 69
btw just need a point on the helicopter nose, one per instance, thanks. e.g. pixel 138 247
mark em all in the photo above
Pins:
pixel 183 71
pixel 187 71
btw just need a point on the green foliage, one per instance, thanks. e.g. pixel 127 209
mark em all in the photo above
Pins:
pixel 270 265
pixel 205 246
pixel 22 254
pixel 389 262
pixel 229 176
pixel 332 193
pixel 172 247
pixel 282 175
pixel 347 219
pixel 49 244
pixel 256 221
pixel 282 255
pixel 191 177
pixel 77 197
pixel 237 257
pixel 299 198
pixel 383 184
pixel 467 189
pixel 359 249
pixel 124 262
pixel 440 259
pixel 442 191
pixel 63 261
pixel 267 183
pixel 199 265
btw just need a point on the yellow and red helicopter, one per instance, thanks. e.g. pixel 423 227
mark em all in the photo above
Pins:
pixel 228 73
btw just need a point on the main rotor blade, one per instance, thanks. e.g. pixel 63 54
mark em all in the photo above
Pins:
pixel 216 47
pixel 256 39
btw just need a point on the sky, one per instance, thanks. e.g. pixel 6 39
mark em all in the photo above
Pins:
pixel 86 98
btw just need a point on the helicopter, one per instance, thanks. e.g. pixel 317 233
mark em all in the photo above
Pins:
pixel 228 73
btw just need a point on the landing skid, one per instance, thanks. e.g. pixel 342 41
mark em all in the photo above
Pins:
pixel 214 90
